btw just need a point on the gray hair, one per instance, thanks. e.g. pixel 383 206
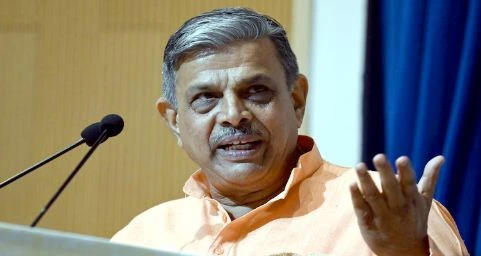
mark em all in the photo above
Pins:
pixel 217 29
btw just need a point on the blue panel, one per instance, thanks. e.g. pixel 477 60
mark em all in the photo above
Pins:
pixel 431 83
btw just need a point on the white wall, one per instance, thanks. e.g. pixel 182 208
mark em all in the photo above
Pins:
pixel 335 76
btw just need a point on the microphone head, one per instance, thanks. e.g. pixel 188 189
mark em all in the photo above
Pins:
pixel 113 124
pixel 91 133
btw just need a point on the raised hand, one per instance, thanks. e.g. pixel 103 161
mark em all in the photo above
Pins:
pixel 393 221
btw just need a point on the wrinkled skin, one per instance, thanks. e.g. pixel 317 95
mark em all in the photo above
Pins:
pixel 394 221
pixel 237 119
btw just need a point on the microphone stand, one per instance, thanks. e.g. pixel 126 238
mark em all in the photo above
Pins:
pixel 99 140
pixel 40 164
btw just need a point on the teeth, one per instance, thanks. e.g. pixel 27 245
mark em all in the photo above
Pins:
pixel 238 142
pixel 239 147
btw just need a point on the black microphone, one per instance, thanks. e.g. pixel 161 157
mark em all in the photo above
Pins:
pixel 91 133
pixel 113 124
pixel 110 126
pixel 89 136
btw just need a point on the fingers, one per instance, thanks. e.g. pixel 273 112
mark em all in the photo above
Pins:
pixel 371 194
pixel 361 208
pixel 397 215
pixel 407 177
pixel 427 184
pixel 396 192
pixel 389 183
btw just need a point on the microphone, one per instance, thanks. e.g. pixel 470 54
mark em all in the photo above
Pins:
pixel 113 124
pixel 110 126
pixel 91 133
pixel 89 136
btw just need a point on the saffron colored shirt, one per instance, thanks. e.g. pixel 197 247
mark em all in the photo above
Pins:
pixel 312 215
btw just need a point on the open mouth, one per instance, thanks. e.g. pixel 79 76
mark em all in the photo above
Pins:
pixel 240 146
pixel 239 149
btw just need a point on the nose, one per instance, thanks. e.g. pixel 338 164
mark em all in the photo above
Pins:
pixel 233 112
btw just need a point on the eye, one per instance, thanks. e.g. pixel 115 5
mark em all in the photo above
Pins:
pixel 259 93
pixel 204 102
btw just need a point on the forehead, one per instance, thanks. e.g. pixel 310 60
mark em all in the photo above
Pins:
pixel 237 60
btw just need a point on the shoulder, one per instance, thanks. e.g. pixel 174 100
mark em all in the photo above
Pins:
pixel 332 173
pixel 159 217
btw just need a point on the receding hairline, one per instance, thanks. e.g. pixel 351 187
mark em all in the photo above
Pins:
pixel 212 31
pixel 199 52
pixel 263 44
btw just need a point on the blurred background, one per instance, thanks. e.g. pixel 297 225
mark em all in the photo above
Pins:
pixel 66 64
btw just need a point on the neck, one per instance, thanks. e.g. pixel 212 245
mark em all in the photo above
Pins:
pixel 242 203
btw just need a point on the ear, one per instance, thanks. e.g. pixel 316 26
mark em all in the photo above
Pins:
pixel 299 95
pixel 169 113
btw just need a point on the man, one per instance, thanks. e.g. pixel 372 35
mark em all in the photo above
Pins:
pixel 234 99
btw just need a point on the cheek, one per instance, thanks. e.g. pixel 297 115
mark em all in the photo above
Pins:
pixel 280 121
pixel 195 131
pixel 194 142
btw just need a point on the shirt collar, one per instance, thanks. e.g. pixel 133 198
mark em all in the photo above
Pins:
pixel 197 185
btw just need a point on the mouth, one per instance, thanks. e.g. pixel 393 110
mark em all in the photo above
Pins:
pixel 239 148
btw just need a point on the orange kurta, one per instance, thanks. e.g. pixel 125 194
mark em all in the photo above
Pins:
pixel 313 214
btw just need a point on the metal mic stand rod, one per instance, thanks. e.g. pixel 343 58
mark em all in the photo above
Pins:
pixel 70 177
pixel 41 163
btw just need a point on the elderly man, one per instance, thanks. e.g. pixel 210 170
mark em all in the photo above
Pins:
pixel 234 99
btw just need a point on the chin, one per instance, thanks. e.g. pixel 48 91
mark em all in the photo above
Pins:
pixel 243 173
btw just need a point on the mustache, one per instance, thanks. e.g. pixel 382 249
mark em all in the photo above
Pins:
pixel 226 132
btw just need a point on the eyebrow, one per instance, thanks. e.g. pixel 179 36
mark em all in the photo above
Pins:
pixel 257 78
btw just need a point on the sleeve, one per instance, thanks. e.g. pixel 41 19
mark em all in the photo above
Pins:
pixel 133 234
pixel 444 237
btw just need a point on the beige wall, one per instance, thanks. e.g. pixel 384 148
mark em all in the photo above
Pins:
pixel 65 64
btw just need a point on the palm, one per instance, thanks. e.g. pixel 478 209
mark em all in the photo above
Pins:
pixel 394 220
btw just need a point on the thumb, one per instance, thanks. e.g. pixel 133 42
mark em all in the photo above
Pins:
pixel 427 183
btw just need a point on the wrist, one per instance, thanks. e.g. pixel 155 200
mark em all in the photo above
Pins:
pixel 420 248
